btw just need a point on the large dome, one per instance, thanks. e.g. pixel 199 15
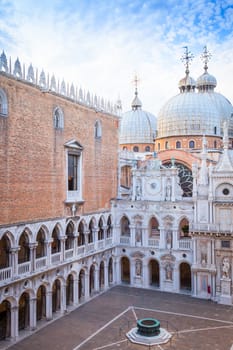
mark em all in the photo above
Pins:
pixel 196 113
pixel 137 126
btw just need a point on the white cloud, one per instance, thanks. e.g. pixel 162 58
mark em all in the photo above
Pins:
pixel 99 45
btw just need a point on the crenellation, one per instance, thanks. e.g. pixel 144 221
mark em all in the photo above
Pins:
pixel 52 85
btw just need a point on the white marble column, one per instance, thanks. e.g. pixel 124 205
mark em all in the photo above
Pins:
pixel 49 304
pixel 14 322
pixel 32 317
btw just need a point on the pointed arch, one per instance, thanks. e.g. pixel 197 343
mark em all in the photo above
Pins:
pixel 125 226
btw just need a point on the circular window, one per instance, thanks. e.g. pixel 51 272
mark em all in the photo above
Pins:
pixel 225 191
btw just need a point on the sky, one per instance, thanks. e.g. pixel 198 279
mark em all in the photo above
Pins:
pixel 100 45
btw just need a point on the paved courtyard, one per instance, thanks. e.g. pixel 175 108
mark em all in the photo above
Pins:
pixel 103 322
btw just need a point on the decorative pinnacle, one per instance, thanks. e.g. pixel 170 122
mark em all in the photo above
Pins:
pixel 186 59
pixel 136 81
pixel 205 57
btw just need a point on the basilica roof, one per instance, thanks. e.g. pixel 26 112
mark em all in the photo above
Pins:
pixel 195 112
pixel 137 125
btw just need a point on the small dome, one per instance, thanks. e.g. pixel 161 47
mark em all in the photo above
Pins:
pixel 206 81
pixel 137 126
pixel 187 81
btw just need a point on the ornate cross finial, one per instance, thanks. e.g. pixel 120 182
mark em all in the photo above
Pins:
pixel 136 80
pixel 205 57
pixel 186 59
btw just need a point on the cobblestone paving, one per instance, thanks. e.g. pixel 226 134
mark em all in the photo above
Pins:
pixel 103 322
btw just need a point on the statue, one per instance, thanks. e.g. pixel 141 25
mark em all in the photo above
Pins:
pixel 168 270
pixel 138 268
pixel 225 268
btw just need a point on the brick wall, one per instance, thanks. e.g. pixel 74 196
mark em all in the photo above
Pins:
pixel 33 157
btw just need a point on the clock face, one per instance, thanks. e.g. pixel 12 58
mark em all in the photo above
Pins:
pixel 153 186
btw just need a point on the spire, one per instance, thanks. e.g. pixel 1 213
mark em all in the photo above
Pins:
pixel 206 82
pixel 204 169
pixel 205 57
pixel 186 59
pixel 225 135
pixel 187 83
pixel 136 104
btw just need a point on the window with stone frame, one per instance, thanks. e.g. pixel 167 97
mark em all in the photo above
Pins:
pixel 58 118
pixel 3 103
pixel 74 171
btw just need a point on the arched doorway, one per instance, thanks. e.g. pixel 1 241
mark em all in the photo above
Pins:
pixel 24 308
pixel 41 303
pixel 185 277
pixel 5 320
pixel 70 290
pixel 56 296
pixel 154 275
pixel 92 279
pixel 125 270
pixel 101 276
pixel 110 271
pixel 81 285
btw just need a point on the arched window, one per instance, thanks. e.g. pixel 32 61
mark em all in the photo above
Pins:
pixel 136 149
pixel 125 148
pixel 158 146
pixel 166 145
pixel 98 130
pixel 178 144
pixel 58 118
pixel 215 144
pixel 191 144
pixel 147 149
pixel 215 130
pixel 3 104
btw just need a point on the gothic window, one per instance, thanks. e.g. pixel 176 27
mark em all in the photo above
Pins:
pixel 185 176
pixel 125 180
pixel 125 229
pixel 58 118
pixel 74 171
pixel 3 104
pixel 147 149
pixel 191 144
pixel 98 130
pixel 136 149
pixel 178 144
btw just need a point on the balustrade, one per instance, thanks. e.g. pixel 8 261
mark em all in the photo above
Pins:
pixel 41 262
pixel 5 274
pixel 24 268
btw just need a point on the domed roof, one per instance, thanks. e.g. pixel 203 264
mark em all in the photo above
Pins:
pixel 206 80
pixel 192 113
pixel 137 125
pixel 195 113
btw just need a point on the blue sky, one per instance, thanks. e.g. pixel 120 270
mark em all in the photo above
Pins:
pixel 100 45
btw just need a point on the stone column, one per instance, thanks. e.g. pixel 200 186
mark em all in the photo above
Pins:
pixel 32 317
pixel 49 303
pixel 106 282
pixel 32 247
pixel 63 297
pixel 48 244
pixel 14 261
pixel 175 238
pixel 75 291
pixel 62 242
pixel 14 322
pixel 87 285
pixel 96 279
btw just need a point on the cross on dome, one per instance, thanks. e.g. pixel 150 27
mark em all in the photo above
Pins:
pixel 186 59
pixel 205 57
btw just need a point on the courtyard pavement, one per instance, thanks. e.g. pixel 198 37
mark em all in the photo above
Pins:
pixel 102 323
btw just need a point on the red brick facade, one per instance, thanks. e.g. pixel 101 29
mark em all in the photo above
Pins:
pixel 33 157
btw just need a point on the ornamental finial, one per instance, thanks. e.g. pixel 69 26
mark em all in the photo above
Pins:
pixel 186 59
pixel 136 81
pixel 205 57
